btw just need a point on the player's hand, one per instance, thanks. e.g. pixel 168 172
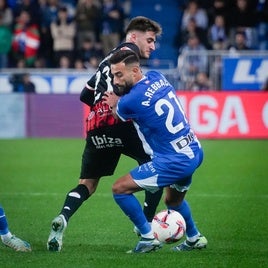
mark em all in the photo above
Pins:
pixel 110 98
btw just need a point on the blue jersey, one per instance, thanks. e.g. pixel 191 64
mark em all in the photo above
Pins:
pixel 159 117
pixel 153 105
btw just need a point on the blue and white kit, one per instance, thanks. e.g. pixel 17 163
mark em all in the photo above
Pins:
pixel 166 134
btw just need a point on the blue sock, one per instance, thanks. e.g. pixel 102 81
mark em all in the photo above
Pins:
pixel 185 211
pixel 132 208
pixel 3 222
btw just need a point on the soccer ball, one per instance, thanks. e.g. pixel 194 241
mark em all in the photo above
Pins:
pixel 168 226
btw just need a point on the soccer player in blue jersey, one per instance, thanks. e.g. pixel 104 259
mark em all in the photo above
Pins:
pixel 8 238
pixel 151 103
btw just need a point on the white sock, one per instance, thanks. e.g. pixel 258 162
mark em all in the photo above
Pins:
pixel 193 238
pixel 6 236
pixel 149 235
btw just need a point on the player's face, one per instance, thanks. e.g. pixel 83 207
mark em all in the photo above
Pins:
pixel 123 77
pixel 145 42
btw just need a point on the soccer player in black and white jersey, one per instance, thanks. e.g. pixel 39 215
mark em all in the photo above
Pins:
pixel 107 137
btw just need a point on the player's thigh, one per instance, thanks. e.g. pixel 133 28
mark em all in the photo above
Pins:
pixel 98 162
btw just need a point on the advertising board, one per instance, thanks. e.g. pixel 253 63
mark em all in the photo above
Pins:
pixel 244 73
pixel 227 114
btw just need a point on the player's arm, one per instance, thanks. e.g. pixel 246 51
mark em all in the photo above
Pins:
pixel 87 94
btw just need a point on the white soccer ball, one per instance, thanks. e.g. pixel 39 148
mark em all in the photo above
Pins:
pixel 168 226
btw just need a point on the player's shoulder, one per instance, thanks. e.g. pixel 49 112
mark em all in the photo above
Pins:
pixel 155 75
pixel 128 46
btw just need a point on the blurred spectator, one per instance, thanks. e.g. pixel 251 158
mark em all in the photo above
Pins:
pixel 112 25
pixel 201 83
pixel 193 59
pixel 21 63
pixel 49 13
pixel 79 64
pixel 49 10
pixel 32 7
pixel 192 29
pixel 26 39
pixel 242 17
pixel 63 33
pixel 215 64
pixel 221 45
pixel 217 33
pixel 90 54
pixel 87 19
pixel 64 63
pixel 92 63
pixel 71 7
pixel 262 25
pixel 240 43
pixel 5 45
pixel 218 7
pixel 40 62
pixel 126 5
pixel 6 19
pixel 22 83
pixel 193 10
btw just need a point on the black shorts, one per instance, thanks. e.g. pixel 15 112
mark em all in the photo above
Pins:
pixel 104 147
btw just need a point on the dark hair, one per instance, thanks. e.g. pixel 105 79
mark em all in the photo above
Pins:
pixel 241 32
pixel 63 8
pixel 144 24
pixel 126 56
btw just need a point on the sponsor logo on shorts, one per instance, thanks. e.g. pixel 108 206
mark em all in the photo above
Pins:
pixel 106 142
pixel 147 167
pixel 151 167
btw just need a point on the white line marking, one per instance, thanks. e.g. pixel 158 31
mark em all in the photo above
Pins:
pixel 215 195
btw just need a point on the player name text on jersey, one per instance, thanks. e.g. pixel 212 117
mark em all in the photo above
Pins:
pixel 152 89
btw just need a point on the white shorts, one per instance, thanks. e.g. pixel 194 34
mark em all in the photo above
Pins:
pixel 177 174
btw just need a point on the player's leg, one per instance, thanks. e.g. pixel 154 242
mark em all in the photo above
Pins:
pixel 175 200
pixel 134 149
pixel 74 199
pixel 8 239
pixel 123 190
pixel 97 161
pixel 100 158
pixel 151 203
pixel 3 223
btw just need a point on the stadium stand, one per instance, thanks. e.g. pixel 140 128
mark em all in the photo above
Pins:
pixel 168 13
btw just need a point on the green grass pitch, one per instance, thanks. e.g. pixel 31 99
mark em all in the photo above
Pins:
pixel 228 197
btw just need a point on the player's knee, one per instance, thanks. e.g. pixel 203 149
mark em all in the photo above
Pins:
pixel 120 187
pixel 117 188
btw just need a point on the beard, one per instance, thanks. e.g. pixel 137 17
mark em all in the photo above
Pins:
pixel 123 90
